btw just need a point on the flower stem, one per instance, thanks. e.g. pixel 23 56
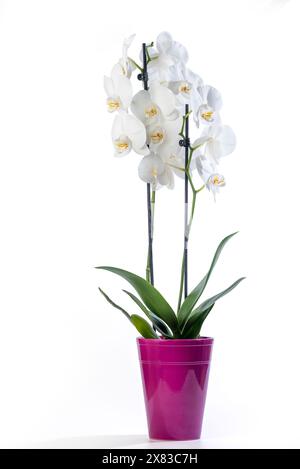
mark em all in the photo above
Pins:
pixel 187 235
pixel 136 64
pixel 184 119
pixel 195 192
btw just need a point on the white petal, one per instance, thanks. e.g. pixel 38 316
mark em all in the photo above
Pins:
pixel 117 127
pixel 192 77
pixel 227 139
pixel 201 170
pixel 221 142
pixel 199 142
pixel 143 108
pixel 159 69
pixel 166 45
pixel 166 178
pixel 214 98
pixel 109 86
pixel 175 159
pixel 205 168
pixel 129 126
pixel 127 43
pixel 164 98
pixel 175 115
pixel 123 89
pixel 203 90
pixel 126 64
pixel 195 103
pixel 171 137
pixel 150 168
pixel 172 130
pixel 213 150
pixel 210 96
pixel 180 52
pixel 141 151
pixel 135 130
pixel 164 42
pixel 176 72
pixel 118 70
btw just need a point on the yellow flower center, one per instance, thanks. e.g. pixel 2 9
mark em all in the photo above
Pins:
pixel 157 136
pixel 154 172
pixel 121 145
pixel 151 112
pixel 113 104
pixel 184 88
pixel 217 180
pixel 207 115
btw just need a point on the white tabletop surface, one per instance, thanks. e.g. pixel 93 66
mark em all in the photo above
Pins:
pixel 143 442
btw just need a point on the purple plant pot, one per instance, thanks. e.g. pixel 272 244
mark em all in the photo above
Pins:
pixel 175 377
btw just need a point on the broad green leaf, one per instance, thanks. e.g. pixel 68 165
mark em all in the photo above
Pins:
pixel 193 297
pixel 143 327
pixel 159 324
pixel 207 304
pixel 114 304
pixel 150 296
pixel 193 331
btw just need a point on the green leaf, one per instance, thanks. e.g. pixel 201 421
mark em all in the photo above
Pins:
pixel 193 297
pixel 159 324
pixel 143 327
pixel 114 304
pixel 140 324
pixel 150 296
pixel 207 304
pixel 193 331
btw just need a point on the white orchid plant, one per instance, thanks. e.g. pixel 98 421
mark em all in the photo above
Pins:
pixel 154 123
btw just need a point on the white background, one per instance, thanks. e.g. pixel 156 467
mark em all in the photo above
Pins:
pixel 68 362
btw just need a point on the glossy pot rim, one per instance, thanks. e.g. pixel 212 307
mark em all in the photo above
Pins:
pixel 175 342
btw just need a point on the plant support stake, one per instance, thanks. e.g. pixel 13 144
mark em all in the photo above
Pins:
pixel 185 142
pixel 144 77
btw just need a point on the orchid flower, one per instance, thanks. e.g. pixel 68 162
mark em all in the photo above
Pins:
pixel 185 86
pixel 213 181
pixel 150 106
pixel 151 168
pixel 182 90
pixel 210 104
pixel 128 133
pixel 159 170
pixel 215 142
pixel 161 136
pixel 119 91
